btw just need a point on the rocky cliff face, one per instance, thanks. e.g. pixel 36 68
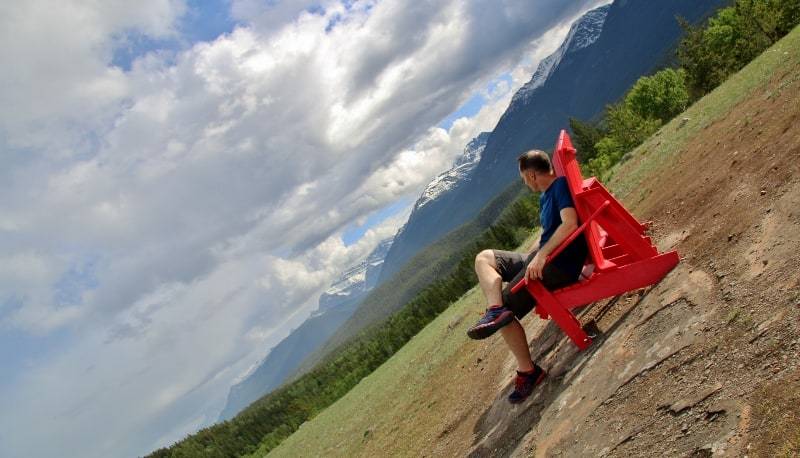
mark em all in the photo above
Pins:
pixel 336 305
pixel 604 53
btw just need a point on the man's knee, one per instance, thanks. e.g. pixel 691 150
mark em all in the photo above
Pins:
pixel 485 257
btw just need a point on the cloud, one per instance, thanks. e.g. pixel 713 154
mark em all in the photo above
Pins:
pixel 161 218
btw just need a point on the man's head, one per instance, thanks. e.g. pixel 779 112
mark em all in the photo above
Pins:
pixel 536 170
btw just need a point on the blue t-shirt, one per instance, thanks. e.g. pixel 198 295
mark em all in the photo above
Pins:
pixel 556 198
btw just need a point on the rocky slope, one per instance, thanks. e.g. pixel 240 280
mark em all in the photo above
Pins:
pixel 336 305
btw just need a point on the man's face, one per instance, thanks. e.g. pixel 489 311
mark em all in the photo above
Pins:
pixel 529 178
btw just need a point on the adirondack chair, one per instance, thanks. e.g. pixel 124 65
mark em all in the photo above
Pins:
pixel 621 257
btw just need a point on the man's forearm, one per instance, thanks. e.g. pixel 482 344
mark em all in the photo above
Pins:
pixel 562 232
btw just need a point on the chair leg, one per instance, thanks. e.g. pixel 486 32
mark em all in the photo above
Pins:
pixel 563 317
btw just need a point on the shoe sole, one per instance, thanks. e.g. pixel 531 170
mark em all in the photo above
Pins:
pixel 484 331
pixel 535 384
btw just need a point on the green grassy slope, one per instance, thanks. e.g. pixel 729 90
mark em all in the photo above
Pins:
pixel 435 261
pixel 390 400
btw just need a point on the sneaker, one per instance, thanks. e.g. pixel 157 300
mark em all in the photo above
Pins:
pixel 495 318
pixel 525 383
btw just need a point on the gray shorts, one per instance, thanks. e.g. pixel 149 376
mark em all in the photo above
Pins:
pixel 511 267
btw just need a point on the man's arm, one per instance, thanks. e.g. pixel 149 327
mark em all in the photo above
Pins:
pixel 569 222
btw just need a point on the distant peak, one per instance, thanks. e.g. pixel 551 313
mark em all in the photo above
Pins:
pixel 461 170
pixel 583 33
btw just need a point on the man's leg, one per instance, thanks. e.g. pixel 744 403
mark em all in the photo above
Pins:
pixel 491 283
pixel 488 277
pixel 490 272
pixel 514 335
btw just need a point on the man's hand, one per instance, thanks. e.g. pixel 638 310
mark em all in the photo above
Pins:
pixel 535 267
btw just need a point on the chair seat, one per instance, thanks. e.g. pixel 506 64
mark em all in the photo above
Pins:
pixel 602 285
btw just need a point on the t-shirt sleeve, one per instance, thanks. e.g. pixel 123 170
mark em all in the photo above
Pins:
pixel 562 196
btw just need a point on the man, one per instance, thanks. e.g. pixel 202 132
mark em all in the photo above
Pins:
pixel 559 219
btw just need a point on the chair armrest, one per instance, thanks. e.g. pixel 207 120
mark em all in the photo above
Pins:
pixel 565 243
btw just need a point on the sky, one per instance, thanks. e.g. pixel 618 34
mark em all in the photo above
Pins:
pixel 182 179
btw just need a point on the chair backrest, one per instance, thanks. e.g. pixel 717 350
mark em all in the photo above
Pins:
pixel 566 164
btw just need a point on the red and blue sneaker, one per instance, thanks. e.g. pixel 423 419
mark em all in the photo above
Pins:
pixel 495 318
pixel 525 383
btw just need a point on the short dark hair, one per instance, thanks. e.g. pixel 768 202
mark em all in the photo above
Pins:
pixel 536 160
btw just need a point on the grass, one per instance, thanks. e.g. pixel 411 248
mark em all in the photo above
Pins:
pixel 391 408
pixel 392 390
pixel 388 390
pixel 655 153
pixel 435 261
pixel 792 446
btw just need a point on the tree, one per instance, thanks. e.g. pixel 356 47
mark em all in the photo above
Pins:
pixel 661 96
pixel 585 135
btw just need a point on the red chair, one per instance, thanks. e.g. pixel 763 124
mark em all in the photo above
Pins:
pixel 621 257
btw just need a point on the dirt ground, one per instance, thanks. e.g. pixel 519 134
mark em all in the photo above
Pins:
pixel 704 363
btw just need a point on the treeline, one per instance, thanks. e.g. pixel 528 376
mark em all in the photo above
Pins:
pixel 268 421
pixel 706 56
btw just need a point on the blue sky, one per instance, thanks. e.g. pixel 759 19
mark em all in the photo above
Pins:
pixel 204 20
pixel 354 232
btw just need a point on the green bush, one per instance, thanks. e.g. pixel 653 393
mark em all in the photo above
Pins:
pixel 652 101
pixel 661 96
pixel 585 136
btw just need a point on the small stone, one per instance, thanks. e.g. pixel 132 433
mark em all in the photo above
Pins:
pixel 763 192
pixel 730 237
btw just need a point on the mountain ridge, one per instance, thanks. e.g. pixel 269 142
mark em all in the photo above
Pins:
pixel 336 305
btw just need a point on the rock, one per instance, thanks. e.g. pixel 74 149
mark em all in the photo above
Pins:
pixel 691 400
pixel 763 192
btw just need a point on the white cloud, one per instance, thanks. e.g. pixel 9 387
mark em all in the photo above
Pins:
pixel 160 219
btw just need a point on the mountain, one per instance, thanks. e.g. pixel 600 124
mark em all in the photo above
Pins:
pixel 604 53
pixel 584 32
pixel 356 281
pixel 461 171
pixel 336 305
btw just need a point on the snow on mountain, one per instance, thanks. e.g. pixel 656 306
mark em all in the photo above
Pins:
pixel 462 167
pixel 356 280
pixel 583 33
